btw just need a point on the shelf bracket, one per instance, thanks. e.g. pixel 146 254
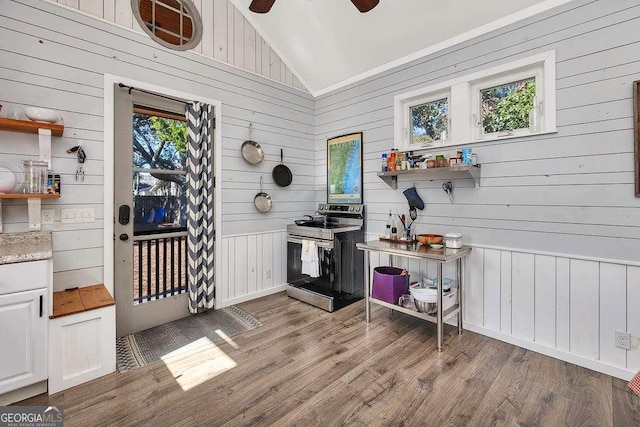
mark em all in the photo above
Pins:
pixel 44 137
pixel 475 174
pixel 35 212
pixel 392 181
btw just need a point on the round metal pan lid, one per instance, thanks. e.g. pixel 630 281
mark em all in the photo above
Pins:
pixel 252 152
pixel 263 202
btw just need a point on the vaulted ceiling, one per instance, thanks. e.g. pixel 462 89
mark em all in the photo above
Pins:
pixel 328 43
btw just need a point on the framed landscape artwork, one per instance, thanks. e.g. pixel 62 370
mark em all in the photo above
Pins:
pixel 344 169
pixel 636 133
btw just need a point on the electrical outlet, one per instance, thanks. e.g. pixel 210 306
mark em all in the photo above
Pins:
pixel 47 216
pixel 623 340
pixel 267 273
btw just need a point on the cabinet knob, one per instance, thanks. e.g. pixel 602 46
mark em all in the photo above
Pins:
pixel 124 237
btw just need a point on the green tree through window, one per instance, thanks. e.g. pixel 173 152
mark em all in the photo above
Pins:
pixel 506 107
pixel 160 143
pixel 429 121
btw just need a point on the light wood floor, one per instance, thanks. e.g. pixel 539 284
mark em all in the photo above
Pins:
pixel 311 368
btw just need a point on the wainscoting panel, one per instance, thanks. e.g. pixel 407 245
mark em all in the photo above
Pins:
pixel 253 265
pixel 568 308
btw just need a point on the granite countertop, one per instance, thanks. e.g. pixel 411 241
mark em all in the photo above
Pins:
pixel 23 247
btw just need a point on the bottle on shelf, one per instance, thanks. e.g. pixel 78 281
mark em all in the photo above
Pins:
pixel 394 228
pixel 387 232
pixel 392 160
pixel 385 162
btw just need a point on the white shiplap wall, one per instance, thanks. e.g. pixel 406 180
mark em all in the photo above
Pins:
pixel 254 265
pixel 562 205
pixel 227 35
pixel 564 307
pixel 55 58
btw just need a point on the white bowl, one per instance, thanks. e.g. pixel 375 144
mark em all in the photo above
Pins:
pixel 6 187
pixel 9 176
pixel 38 114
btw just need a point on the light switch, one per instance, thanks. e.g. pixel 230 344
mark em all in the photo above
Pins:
pixel 72 216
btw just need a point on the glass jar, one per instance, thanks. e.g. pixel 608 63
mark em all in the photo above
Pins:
pixel 35 176
pixel 441 162
pixel 431 162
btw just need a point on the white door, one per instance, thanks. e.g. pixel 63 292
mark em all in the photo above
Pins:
pixel 23 353
pixel 150 211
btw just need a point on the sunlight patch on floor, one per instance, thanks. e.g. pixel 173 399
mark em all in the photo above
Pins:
pixel 197 362
pixel 227 339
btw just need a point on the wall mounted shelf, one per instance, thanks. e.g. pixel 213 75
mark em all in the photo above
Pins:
pixel 34 207
pixel 29 196
pixel 446 174
pixel 27 126
pixel 44 131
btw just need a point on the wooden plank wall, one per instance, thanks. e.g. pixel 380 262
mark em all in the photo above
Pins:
pixel 566 307
pixel 227 35
pixel 248 257
pixel 55 58
pixel 568 194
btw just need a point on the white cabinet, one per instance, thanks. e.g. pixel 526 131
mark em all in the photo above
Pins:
pixel 23 334
pixel 24 316
pixel 83 348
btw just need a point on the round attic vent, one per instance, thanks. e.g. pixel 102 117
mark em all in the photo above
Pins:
pixel 175 24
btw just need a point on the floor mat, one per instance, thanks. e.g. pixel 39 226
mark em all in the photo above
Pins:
pixel 145 347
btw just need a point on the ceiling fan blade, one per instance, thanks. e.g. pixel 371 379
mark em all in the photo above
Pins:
pixel 261 6
pixel 365 5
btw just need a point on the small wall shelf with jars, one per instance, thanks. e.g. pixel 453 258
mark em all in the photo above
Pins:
pixel 45 131
pixel 461 171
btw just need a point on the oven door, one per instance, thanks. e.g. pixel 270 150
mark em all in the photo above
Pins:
pixel 295 277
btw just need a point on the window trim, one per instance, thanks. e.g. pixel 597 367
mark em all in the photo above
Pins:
pixel 536 72
pixel 434 96
pixel 461 101
pixel 196 23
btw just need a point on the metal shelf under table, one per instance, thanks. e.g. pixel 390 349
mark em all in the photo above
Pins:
pixel 440 256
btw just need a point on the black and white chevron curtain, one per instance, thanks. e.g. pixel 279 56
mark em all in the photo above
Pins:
pixel 200 272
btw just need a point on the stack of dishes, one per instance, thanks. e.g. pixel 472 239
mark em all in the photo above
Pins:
pixel 424 297
pixel 11 177
pixel 446 283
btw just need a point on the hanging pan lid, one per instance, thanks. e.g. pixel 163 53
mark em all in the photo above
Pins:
pixel 262 200
pixel 251 150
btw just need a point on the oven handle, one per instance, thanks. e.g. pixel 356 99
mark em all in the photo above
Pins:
pixel 319 243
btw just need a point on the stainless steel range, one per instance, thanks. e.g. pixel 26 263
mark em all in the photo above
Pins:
pixel 340 278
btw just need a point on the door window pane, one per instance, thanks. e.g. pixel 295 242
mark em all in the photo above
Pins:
pixel 506 107
pixel 159 203
pixel 159 142
pixel 429 121
pixel 159 196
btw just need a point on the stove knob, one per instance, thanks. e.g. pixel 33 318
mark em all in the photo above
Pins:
pixel 357 208
pixel 351 209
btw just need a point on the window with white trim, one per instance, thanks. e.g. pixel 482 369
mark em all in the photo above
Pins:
pixel 507 101
pixel 429 119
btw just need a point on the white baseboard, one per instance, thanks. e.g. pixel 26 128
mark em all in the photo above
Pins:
pixel 23 393
pixel 594 365
pixel 253 296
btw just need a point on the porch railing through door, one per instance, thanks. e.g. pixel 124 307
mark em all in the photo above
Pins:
pixel 159 266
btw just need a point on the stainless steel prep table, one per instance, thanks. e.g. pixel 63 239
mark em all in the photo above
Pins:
pixel 440 256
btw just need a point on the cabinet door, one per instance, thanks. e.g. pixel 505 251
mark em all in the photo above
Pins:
pixel 23 334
